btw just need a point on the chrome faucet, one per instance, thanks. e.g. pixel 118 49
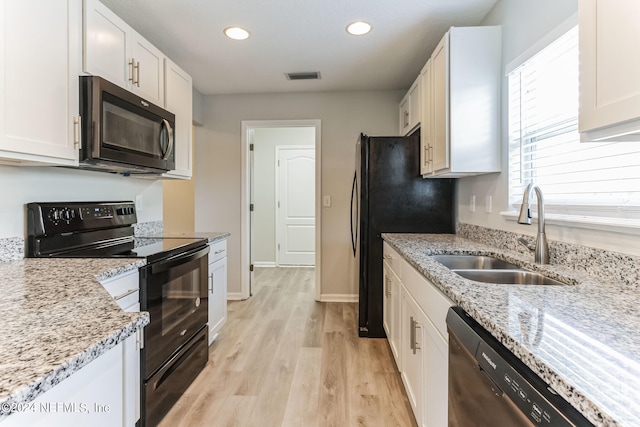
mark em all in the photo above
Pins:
pixel 542 247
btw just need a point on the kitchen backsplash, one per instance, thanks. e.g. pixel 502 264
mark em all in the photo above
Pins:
pixel 151 228
pixel 600 264
pixel 11 249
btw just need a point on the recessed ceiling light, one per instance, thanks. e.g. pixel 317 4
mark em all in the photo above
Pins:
pixel 236 33
pixel 358 28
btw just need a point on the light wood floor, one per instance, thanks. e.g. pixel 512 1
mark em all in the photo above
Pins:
pixel 283 359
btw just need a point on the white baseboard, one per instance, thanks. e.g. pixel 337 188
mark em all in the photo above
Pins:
pixel 338 298
pixel 234 296
pixel 266 264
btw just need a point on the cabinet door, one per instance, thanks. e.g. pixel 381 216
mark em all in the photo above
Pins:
pixel 148 70
pixel 178 99
pixel 436 379
pixel 217 297
pixel 440 94
pixel 413 367
pixel 394 319
pixel 91 396
pixel 405 115
pixel 106 41
pixel 609 69
pixel 415 100
pixel 131 378
pixel 39 68
pixel 426 127
pixel 386 300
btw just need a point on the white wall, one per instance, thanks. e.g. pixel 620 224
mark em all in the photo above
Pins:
pixel 523 23
pixel 265 141
pixel 343 116
pixel 21 185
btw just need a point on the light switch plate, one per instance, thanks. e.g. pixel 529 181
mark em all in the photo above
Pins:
pixel 326 201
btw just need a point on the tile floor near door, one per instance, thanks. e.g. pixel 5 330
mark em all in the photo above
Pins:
pixel 283 359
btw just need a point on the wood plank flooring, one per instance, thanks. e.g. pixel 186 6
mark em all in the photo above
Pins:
pixel 283 359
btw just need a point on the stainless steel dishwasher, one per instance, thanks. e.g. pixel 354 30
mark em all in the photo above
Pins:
pixel 489 386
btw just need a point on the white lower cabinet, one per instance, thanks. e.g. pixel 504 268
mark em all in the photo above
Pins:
pixel 413 321
pixel 217 288
pixel 391 309
pixel 90 397
pixel 422 341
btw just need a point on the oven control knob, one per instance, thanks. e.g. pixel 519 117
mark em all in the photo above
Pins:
pixel 67 214
pixel 197 302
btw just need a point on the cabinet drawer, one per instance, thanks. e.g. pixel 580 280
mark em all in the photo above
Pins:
pixel 124 288
pixel 218 250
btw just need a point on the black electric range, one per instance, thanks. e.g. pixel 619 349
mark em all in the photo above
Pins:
pixel 95 230
pixel 173 288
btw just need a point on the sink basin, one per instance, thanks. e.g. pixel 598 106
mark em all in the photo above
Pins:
pixel 511 277
pixel 473 262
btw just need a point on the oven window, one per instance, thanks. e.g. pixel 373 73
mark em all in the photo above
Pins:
pixel 124 129
pixel 180 299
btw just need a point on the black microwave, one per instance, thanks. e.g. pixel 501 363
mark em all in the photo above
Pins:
pixel 122 132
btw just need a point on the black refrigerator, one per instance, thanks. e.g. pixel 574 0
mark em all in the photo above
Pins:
pixel 390 196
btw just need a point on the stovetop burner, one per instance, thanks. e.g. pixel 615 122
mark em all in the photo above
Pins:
pixel 94 230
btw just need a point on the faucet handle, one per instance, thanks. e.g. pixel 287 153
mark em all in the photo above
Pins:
pixel 529 245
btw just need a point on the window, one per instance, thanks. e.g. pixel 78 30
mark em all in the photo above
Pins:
pixel 582 179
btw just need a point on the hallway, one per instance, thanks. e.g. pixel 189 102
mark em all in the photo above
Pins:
pixel 283 359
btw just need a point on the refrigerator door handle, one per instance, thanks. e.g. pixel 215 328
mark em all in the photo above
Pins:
pixel 354 228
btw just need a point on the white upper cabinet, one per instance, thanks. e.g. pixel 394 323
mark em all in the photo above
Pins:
pixel 115 51
pixel 426 126
pixel 410 108
pixel 609 70
pixel 40 63
pixel 178 97
pixel 465 101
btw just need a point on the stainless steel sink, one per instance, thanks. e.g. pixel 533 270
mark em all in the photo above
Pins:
pixel 511 277
pixel 473 262
pixel 492 270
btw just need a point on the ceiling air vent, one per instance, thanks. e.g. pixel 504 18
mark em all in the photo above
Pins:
pixel 310 75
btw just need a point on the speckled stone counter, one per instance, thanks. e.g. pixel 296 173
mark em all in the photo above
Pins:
pixel 583 338
pixel 56 318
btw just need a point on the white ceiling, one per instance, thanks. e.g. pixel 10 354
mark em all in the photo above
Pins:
pixel 295 36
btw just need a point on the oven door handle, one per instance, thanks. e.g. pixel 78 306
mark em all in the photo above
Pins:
pixel 177 260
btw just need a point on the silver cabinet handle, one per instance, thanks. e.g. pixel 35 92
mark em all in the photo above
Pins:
pixel 77 131
pixel 137 68
pixel 406 118
pixel 388 257
pixel 413 344
pixel 412 335
pixel 219 251
pixel 210 283
pixel 388 291
pixel 416 345
pixel 131 72
pixel 129 292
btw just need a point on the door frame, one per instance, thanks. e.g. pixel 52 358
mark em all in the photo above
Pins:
pixel 278 229
pixel 245 229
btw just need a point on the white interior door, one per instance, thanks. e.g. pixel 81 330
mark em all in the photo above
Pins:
pixel 295 205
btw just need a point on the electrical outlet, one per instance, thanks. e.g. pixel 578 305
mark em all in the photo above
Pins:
pixel 139 203
pixel 472 204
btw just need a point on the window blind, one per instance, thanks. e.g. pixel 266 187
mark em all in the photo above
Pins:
pixel 585 179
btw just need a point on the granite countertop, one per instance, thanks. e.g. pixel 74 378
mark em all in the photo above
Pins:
pixel 56 319
pixel 583 339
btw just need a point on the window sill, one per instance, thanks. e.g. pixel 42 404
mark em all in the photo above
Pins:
pixel 615 225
